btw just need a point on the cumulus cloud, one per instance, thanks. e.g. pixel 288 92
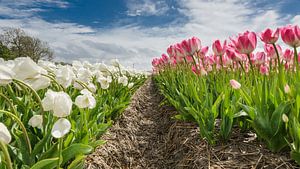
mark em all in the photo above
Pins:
pixel 146 7
pixel 134 44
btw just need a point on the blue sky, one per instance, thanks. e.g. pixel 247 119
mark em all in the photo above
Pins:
pixel 135 31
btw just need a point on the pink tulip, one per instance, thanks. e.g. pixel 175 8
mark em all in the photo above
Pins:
pixel 260 58
pixel 171 51
pixel 264 70
pixel 233 55
pixel 195 44
pixel 270 50
pixel 288 55
pixel 179 51
pixel 245 43
pixel 269 37
pixel 297 31
pixel 289 35
pixel 287 88
pixel 203 52
pixel 186 47
pixel 218 49
pixel 235 84
pixel 155 62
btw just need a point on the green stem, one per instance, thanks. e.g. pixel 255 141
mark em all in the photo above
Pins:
pixel 6 155
pixel 82 84
pixel 11 115
pixel 60 88
pixel 32 90
pixel 60 144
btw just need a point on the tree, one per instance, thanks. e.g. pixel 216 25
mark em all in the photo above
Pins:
pixel 22 45
pixel 5 53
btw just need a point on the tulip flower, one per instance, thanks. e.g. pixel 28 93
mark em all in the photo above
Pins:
pixel 64 75
pixel 115 62
pixel 219 49
pixel 264 70
pixel 260 58
pixel 36 121
pixel 171 51
pixel 130 85
pixel 270 37
pixel 287 88
pixel 58 102
pixel 4 134
pixel 285 118
pixel 85 100
pixel 235 84
pixel 271 52
pixel 186 47
pixel 38 83
pixel 104 82
pixel 179 51
pixel 26 68
pixel 60 128
pixel 288 55
pixel 123 80
pixel 6 75
pixel 195 44
pixel 203 51
pixel 245 43
pixel 289 35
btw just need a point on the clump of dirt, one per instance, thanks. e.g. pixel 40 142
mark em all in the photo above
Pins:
pixel 147 137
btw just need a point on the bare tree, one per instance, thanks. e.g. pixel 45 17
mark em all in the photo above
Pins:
pixel 23 45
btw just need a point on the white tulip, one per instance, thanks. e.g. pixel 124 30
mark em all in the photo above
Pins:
pixel 6 75
pixel 47 65
pixel 59 102
pixel 62 106
pixel 36 121
pixel 4 134
pixel 64 76
pixel 130 85
pixel 123 80
pixel 115 62
pixel 60 128
pixel 104 82
pixel 26 68
pixel 48 100
pixel 92 87
pixel 86 100
pixel 40 82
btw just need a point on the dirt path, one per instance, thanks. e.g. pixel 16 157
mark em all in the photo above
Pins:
pixel 146 137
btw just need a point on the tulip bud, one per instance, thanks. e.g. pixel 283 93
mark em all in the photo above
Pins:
pixel 287 88
pixel 36 121
pixel 4 134
pixel 60 128
pixel 285 118
pixel 235 84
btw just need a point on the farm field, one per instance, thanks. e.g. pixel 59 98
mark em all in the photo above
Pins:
pixel 149 84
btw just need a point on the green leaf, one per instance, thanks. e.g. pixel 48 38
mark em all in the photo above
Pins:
pixel 47 163
pixel 78 163
pixel 276 119
pixel 74 150
pixel 97 143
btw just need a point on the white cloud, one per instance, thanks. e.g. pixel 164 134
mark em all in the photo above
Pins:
pixel 146 7
pixel 131 44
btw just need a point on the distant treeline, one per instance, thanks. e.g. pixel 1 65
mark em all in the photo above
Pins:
pixel 14 42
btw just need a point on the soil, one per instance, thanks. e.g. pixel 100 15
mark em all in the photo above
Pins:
pixel 146 136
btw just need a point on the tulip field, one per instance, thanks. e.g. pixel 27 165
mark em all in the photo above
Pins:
pixel 55 115
pixel 52 115
pixel 239 85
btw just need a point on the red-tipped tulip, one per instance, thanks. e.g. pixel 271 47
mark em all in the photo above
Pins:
pixel 195 44
pixel 270 37
pixel 218 48
pixel 289 35
pixel 245 43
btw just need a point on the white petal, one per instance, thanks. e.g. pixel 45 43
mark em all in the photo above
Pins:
pixel 36 121
pixel 4 134
pixel 48 100
pixel 60 128
pixel 62 105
